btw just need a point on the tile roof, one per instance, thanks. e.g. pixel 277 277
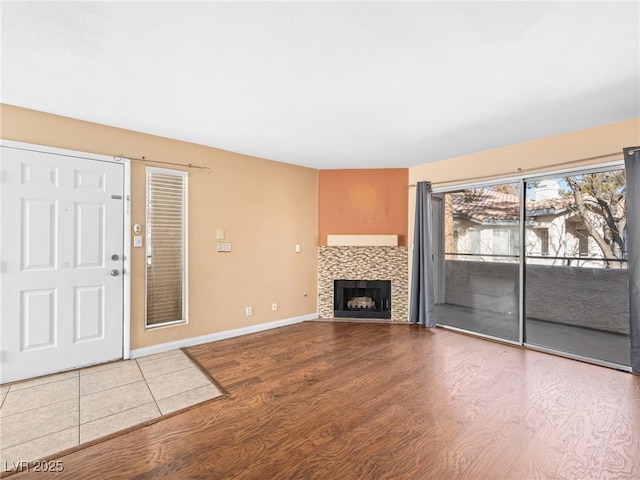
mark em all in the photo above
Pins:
pixel 484 205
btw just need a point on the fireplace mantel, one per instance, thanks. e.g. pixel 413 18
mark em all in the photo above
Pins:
pixel 362 240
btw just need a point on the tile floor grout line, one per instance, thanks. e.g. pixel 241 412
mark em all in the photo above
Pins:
pixel 24 389
pixel 173 371
pixel 160 355
pixel 36 408
pixel 36 438
pixel 111 388
pixel 43 383
pixel 192 389
pixel 5 397
pixel 118 413
pixel 103 371
pixel 149 388
pixel 191 364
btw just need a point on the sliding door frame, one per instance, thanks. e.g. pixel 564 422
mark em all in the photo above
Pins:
pixel 440 192
pixel 523 180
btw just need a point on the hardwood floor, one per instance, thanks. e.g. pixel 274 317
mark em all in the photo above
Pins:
pixel 345 401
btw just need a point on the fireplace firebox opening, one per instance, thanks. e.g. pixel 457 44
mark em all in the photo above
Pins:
pixel 362 298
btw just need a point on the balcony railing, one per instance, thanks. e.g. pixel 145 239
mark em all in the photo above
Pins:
pixel 574 261
pixel 587 295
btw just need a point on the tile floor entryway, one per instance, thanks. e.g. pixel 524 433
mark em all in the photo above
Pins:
pixel 50 414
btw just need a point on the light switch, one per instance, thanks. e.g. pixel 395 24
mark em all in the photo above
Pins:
pixel 297 248
pixel 137 241
pixel 220 234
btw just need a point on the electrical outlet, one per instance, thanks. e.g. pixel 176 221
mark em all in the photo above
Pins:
pixel 274 306
pixel 249 311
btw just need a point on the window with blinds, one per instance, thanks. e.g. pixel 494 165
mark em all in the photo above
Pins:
pixel 166 230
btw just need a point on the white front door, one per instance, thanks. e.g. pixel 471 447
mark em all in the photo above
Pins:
pixel 61 263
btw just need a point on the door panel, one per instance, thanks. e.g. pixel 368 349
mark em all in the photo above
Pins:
pixel 39 175
pixel 38 321
pixel 87 180
pixel 38 236
pixel 89 233
pixel 88 314
pixel 576 290
pixel 481 267
pixel 61 307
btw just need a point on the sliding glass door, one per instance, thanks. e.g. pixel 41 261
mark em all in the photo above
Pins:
pixel 479 281
pixel 558 242
pixel 576 295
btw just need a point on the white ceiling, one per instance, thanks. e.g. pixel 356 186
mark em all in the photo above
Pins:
pixel 327 84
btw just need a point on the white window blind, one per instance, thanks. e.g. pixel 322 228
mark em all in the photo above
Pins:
pixel 166 246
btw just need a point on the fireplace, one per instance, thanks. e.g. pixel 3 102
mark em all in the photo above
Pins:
pixel 362 298
pixel 370 263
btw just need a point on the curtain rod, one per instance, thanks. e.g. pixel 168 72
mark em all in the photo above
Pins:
pixel 175 164
pixel 520 171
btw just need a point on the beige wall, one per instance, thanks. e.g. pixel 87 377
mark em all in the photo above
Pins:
pixel 264 207
pixel 584 147
pixel 590 146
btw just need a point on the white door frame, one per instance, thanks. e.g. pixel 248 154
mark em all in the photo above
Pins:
pixel 126 219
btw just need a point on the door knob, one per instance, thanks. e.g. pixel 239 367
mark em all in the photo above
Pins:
pixel 115 272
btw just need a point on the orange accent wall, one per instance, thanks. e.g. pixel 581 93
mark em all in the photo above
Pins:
pixel 363 202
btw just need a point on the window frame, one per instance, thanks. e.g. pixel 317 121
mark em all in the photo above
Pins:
pixel 149 172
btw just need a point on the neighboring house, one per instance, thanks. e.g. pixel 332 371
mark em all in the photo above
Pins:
pixel 486 228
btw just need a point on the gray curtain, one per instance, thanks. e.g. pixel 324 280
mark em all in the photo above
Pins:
pixel 632 170
pixel 422 309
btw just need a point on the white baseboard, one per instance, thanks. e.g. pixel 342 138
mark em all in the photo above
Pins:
pixel 212 337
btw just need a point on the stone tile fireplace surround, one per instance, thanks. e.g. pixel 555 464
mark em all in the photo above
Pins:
pixel 364 263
